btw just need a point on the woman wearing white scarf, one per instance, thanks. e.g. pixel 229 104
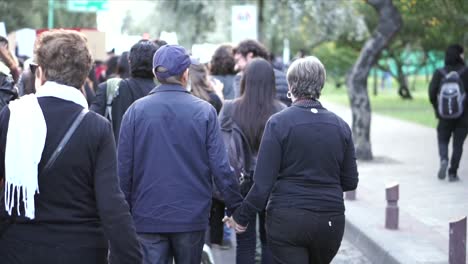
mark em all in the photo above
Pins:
pixel 69 213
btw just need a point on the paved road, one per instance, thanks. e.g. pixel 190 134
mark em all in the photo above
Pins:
pixel 405 153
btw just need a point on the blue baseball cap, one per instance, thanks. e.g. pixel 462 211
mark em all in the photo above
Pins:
pixel 171 60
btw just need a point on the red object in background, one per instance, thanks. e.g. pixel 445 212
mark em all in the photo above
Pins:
pixel 145 36
pixel 100 70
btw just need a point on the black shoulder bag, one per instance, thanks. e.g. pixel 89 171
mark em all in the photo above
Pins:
pixel 11 220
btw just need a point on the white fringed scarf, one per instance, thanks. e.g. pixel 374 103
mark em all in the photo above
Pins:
pixel 26 137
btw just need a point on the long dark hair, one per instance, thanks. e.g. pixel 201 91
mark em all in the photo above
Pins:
pixel 257 100
pixel 199 82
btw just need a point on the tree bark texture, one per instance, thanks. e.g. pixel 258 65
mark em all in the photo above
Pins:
pixel 389 23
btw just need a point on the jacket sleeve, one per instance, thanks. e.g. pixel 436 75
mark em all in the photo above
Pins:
pixel 434 89
pixel 112 208
pixel 219 164
pixel 266 173
pixel 125 155
pixel 348 171
pixel 99 103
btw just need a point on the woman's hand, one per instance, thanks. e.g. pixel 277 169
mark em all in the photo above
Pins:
pixel 231 223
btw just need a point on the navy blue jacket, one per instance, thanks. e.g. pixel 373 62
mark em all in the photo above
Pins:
pixel 170 146
pixel 306 160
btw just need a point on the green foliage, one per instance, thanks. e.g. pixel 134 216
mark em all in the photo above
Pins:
pixel 336 59
pixel 387 102
pixel 33 14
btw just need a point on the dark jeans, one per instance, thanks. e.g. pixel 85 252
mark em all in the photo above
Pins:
pixel 183 248
pixel 216 222
pixel 22 252
pixel 301 236
pixel 246 243
pixel 457 129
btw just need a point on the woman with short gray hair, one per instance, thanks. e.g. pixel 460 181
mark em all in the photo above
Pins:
pixel 305 163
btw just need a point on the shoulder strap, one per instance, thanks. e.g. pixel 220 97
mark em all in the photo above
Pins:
pixel 65 140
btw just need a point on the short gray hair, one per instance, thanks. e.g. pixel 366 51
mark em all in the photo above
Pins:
pixel 306 77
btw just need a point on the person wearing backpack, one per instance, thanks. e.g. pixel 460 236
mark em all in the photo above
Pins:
pixel 115 96
pixel 242 122
pixel 447 93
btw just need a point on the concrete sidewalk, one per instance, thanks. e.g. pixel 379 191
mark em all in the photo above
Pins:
pixel 405 153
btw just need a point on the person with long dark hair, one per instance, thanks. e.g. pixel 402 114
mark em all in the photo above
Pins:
pixel 200 86
pixel 306 161
pixel 250 112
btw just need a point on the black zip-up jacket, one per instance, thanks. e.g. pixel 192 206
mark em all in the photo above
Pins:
pixel 80 203
pixel 306 160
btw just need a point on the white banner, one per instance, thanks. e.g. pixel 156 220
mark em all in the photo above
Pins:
pixel 244 23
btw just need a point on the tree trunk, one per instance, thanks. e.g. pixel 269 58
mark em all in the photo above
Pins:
pixel 261 8
pixel 402 79
pixel 389 23
pixel 375 82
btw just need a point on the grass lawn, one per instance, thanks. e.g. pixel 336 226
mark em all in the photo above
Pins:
pixel 388 102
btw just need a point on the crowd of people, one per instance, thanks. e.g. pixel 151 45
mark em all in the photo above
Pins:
pixel 148 160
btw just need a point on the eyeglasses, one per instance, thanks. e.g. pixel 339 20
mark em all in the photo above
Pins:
pixel 33 67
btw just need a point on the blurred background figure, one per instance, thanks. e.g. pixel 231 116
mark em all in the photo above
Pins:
pixel 222 68
pixel 201 87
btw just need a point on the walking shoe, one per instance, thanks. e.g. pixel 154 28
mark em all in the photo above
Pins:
pixel 453 177
pixel 443 169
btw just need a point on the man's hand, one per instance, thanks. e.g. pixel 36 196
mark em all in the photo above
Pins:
pixel 231 223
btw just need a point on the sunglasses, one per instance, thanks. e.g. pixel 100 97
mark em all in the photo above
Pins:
pixel 33 67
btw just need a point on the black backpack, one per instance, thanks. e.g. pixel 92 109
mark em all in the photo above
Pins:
pixel 241 156
pixel 451 97
pixel 8 90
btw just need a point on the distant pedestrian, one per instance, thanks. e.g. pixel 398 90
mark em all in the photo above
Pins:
pixel 244 53
pixel 201 87
pixel 222 68
pixel 170 152
pixel 453 73
pixel 114 96
pixel 305 163
pixel 72 207
pixel 257 96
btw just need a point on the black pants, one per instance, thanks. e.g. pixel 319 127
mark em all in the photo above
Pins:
pixel 301 236
pixel 14 251
pixel 216 222
pixel 457 129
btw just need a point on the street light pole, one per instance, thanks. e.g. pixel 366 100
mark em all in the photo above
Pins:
pixel 50 17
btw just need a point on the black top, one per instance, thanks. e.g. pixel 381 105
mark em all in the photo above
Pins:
pixel 80 203
pixel 130 90
pixel 306 160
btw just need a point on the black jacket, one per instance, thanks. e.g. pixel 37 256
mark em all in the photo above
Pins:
pixel 80 203
pixel 306 160
pixel 130 90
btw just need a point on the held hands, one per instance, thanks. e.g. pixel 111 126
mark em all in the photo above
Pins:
pixel 231 223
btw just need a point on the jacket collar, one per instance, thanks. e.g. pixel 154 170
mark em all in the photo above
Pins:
pixel 169 88
pixel 308 103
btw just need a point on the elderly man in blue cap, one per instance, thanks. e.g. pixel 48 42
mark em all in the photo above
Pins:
pixel 170 152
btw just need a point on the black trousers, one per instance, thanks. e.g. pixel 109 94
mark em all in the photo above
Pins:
pixel 301 236
pixel 457 130
pixel 216 222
